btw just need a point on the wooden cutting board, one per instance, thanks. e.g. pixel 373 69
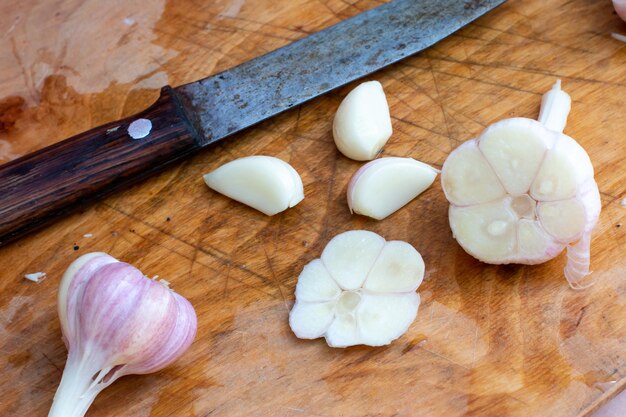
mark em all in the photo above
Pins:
pixel 488 340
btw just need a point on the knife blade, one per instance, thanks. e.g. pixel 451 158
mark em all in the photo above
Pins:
pixel 48 183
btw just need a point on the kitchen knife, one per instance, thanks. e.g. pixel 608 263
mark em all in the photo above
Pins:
pixel 48 183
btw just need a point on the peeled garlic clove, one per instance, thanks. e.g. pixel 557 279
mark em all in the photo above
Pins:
pixel 349 256
pixel 515 149
pixel 115 322
pixel 486 231
pixel 316 284
pixel 547 200
pixel 398 268
pixel 310 320
pixel 383 318
pixel 377 301
pixel 564 220
pixel 467 177
pixel 383 186
pixel 362 123
pixel 265 183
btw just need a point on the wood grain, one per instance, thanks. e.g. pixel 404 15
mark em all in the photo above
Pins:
pixel 51 182
pixel 488 341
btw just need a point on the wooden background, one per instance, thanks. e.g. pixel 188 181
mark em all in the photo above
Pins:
pixel 488 341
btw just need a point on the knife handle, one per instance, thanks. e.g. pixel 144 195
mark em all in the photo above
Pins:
pixel 46 184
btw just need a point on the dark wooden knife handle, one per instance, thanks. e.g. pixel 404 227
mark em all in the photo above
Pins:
pixel 46 184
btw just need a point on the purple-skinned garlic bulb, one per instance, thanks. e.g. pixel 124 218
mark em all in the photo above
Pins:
pixel 115 321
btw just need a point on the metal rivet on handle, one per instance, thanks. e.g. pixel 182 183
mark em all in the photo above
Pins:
pixel 140 128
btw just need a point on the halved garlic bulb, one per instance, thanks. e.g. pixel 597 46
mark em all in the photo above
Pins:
pixel 362 123
pixel 361 291
pixel 265 183
pixel 521 192
pixel 382 186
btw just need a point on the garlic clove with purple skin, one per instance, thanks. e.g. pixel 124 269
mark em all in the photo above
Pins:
pixel 115 322
pixel 383 186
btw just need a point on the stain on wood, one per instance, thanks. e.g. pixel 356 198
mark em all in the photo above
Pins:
pixel 488 341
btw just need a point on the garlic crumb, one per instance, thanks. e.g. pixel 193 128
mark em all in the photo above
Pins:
pixel 623 203
pixel 35 276
pixel 88 235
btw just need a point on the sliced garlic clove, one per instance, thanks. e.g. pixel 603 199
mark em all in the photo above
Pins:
pixel 565 167
pixel 399 268
pixel 565 219
pixel 265 183
pixel 348 257
pixel 362 124
pixel 534 244
pixel 515 149
pixel 381 187
pixel 316 284
pixel 468 178
pixel 310 320
pixel 487 231
pixel 382 318
pixel 343 332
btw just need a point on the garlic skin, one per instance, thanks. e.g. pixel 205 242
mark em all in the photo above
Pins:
pixel 620 8
pixel 523 191
pixel 361 291
pixel 115 322
pixel 265 183
pixel 383 186
pixel 362 124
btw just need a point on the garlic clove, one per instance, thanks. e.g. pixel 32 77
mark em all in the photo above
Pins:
pixel 310 320
pixel 487 231
pixel 265 183
pixel 86 265
pixel 343 332
pixel 515 149
pixel 348 257
pixel 382 318
pixel 534 243
pixel 565 166
pixel 399 268
pixel 316 284
pixel 565 220
pixel 362 124
pixel 383 186
pixel 468 178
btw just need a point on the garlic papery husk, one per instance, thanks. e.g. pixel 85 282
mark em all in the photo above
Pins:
pixel 382 186
pixel 361 291
pixel 115 322
pixel 362 124
pixel 265 183
pixel 523 191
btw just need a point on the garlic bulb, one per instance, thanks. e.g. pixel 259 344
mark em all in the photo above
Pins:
pixel 362 124
pixel 383 186
pixel 523 191
pixel 265 183
pixel 115 322
pixel 361 291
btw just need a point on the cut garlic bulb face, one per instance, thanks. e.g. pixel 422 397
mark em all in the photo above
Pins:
pixel 361 291
pixel 383 186
pixel 521 193
pixel 265 183
pixel 362 124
